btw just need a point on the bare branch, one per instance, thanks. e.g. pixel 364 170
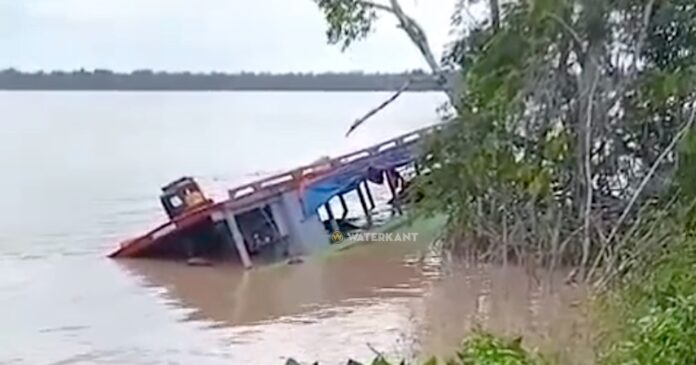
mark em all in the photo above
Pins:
pixel 652 171
pixel 376 110
pixel 495 13
pixel 588 173
pixel 378 353
pixel 647 14
pixel 639 223
pixel 574 35
pixel 417 35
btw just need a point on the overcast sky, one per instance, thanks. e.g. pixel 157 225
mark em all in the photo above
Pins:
pixel 201 35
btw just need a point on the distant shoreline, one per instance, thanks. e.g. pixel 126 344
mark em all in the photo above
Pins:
pixel 149 81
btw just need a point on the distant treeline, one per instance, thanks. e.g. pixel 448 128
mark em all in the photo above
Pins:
pixel 11 79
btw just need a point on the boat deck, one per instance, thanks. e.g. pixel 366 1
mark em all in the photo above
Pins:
pixel 248 196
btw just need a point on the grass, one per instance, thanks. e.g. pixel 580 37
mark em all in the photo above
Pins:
pixel 652 318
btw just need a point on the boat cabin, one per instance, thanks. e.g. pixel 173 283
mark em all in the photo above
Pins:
pixel 181 196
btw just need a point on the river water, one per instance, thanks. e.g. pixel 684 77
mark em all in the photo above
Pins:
pixel 82 171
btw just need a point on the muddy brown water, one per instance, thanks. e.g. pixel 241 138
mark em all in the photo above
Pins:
pixel 391 298
pixel 81 171
pixel 396 298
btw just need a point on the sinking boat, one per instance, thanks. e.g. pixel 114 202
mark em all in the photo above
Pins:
pixel 275 217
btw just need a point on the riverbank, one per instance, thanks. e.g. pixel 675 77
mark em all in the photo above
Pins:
pixel 647 318
pixel 651 318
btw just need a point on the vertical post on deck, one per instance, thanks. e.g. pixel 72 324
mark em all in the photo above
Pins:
pixel 239 241
pixel 344 206
pixel 332 220
pixel 417 168
pixel 369 195
pixel 395 199
pixel 368 214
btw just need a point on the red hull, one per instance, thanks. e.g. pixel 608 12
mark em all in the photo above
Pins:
pixel 136 247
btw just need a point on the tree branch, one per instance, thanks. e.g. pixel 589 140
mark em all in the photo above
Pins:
pixel 652 171
pixel 495 13
pixel 573 34
pixel 417 35
pixel 588 173
pixel 647 14
pixel 376 110
pixel 376 6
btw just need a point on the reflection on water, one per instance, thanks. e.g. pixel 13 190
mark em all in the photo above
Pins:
pixel 233 296
pixel 508 302
pixel 386 297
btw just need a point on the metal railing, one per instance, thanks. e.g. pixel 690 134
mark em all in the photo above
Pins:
pixel 288 180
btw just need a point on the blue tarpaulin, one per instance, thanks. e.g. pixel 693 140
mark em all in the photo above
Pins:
pixel 348 177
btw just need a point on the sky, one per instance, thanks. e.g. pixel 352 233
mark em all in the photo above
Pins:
pixel 203 36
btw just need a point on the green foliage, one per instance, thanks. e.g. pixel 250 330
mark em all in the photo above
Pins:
pixel 516 155
pixel 348 20
pixel 483 150
pixel 672 35
pixel 655 312
pixel 686 173
pixel 478 349
pixel 485 349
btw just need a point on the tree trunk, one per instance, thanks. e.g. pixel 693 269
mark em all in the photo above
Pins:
pixel 588 84
pixel 417 35
pixel 495 13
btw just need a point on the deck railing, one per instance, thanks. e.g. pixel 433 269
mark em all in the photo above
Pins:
pixel 291 179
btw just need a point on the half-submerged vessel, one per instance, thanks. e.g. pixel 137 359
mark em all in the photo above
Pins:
pixel 274 217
